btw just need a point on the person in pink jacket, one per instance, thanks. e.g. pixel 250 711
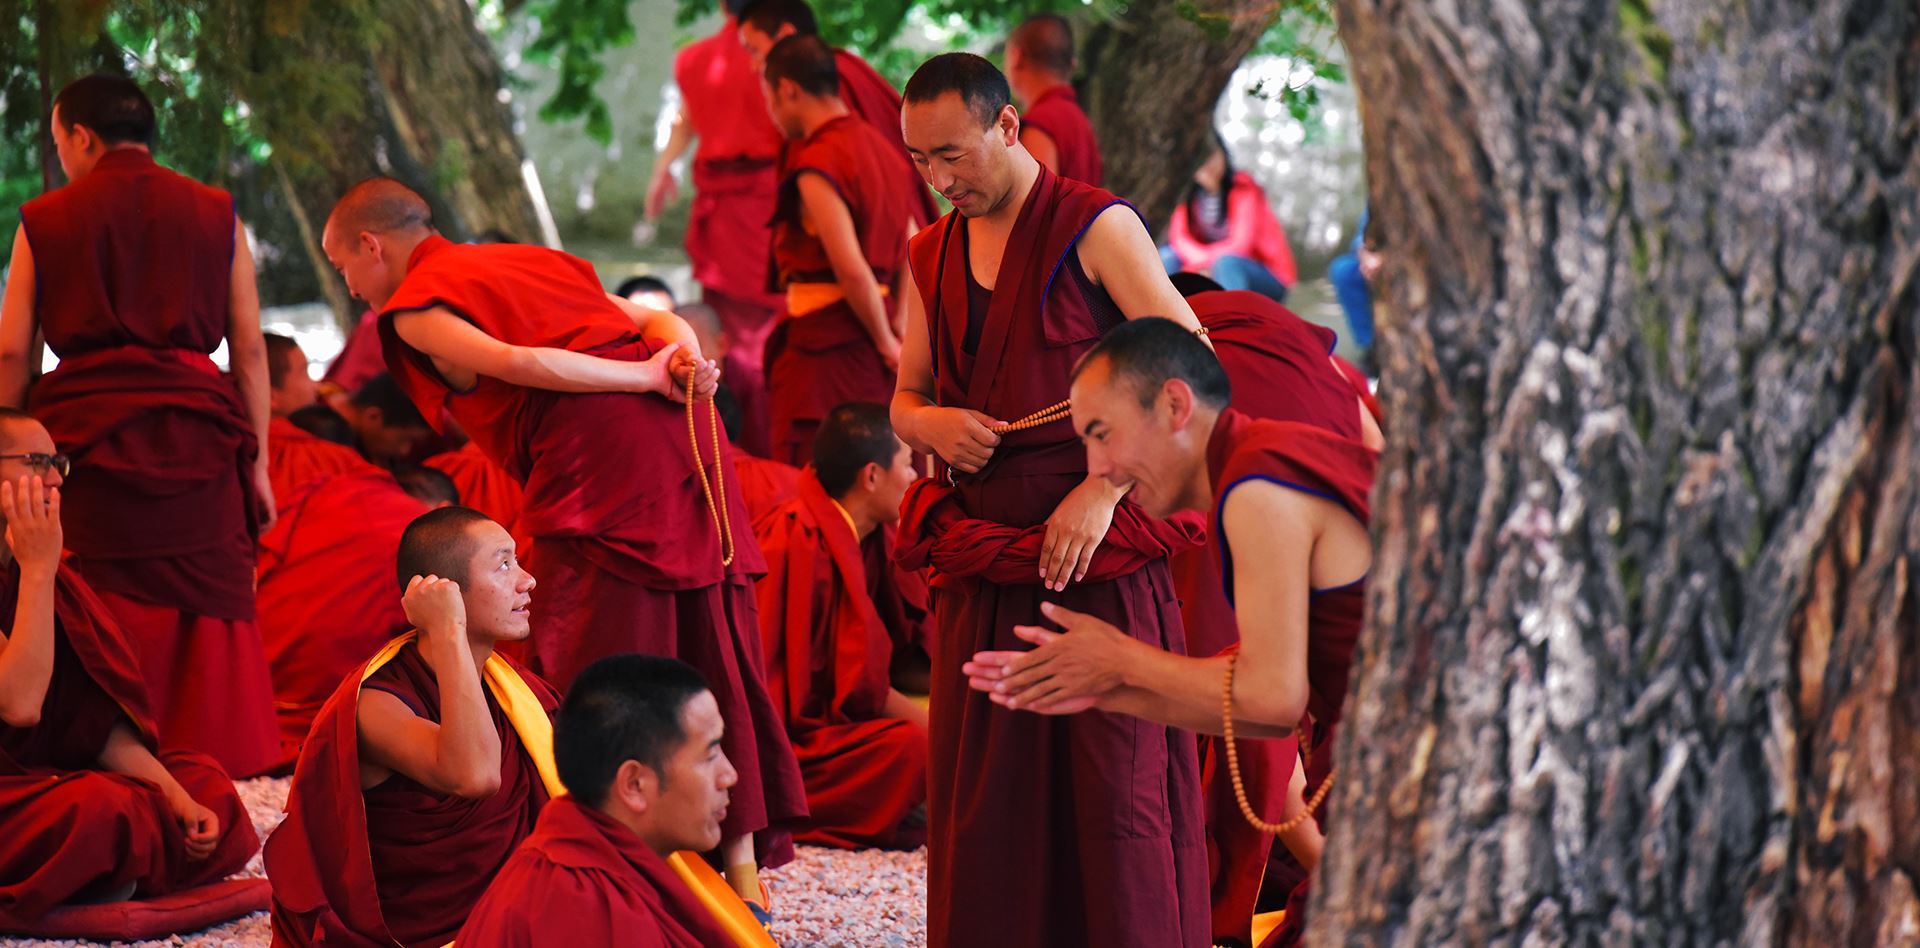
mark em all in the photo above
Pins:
pixel 1225 229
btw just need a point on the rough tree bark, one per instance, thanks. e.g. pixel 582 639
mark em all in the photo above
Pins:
pixel 1151 77
pixel 1642 662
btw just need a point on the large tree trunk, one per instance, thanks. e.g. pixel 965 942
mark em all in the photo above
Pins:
pixel 1642 660
pixel 1152 76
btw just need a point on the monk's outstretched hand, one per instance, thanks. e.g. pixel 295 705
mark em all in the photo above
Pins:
pixel 1068 673
pixel 962 437
pixel 33 523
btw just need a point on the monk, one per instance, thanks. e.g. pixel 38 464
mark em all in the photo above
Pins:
pixel 88 808
pixel 862 745
pixel 735 177
pixel 292 385
pixel 296 455
pixel 649 291
pixel 839 239
pixel 1082 830
pixel 1290 509
pixel 637 744
pixel 578 394
pixel 134 275
pixel 324 601
pixel 418 779
pixel 386 424
pixel 1052 125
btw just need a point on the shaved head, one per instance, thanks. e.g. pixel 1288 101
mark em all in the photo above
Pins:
pixel 1046 41
pixel 370 235
pixel 380 206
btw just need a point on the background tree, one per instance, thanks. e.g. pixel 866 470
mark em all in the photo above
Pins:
pixel 1642 660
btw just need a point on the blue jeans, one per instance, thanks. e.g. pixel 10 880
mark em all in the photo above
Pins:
pixel 1235 273
pixel 1355 297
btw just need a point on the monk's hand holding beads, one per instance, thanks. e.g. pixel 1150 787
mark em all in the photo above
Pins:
pixel 1067 673
pixel 962 437
pixel 32 510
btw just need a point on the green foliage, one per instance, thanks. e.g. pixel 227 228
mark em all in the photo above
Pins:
pixel 1304 37
pixel 574 33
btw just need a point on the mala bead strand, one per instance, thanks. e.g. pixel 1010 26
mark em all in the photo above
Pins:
pixel 1233 768
pixel 717 509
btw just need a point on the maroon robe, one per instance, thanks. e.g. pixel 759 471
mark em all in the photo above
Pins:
pixel 828 657
pixel 1076 830
pixel 359 359
pixel 764 484
pixel 327 594
pixel 824 357
pixel 486 487
pixel 623 544
pixel 296 458
pixel 397 862
pixel 1309 459
pixel 1057 113
pixel 68 828
pixel 134 269
pixel 584 879
pixel 870 96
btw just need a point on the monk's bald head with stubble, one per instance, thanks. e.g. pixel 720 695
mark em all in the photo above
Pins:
pixel 371 234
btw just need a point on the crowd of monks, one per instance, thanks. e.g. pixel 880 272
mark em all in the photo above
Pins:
pixel 570 611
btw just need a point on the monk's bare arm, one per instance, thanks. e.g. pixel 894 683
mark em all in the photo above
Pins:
pixel 961 437
pixel 1119 255
pixel 461 754
pixel 903 708
pixel 1042 147
pixel 126 754
pixel 17 324
pixel 834 224
pixel 26 647
pixel 461 351
pixel 662 189
pixel 247 358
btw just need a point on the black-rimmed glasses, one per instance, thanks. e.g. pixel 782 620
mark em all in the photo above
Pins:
pixel 43 462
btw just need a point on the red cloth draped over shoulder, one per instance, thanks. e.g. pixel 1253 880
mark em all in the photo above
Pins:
pixel 1057 112
pixel 296 458
pixel 359 358
pixel 485 486
pixel 870 96
pixel 937 534
pixel 396 862
pixel 764 484
pixel 584 879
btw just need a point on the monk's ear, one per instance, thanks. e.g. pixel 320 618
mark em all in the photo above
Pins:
pixel 370 245
pixel 870 475
pixel 1178 396
pixel 1008 124
pixel 635 784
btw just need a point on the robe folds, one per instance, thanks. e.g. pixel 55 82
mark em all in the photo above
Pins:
pixel 134 269
pixel 359 358
pixel 1084 829
pixel 296 458
pixel 624 546
pixel 584 879
pixel 486 487
pixel 399 862
pixel 828 656
pixel 820 358
pixel 69 829
pixel 1057 112
pixel 329 596
pixel 870 96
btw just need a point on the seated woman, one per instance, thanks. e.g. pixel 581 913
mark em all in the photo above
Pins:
pixel 1225 229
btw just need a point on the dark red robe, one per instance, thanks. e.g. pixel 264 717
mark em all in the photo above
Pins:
pixel 397 862
pixel 1077 830
pixel 486 487
pixel 828 657
pixel 1312 460
pixel 68 828
pixel 134 268
pixel 359 359
pixel 584 879
pixel 327 589
pixel 1057 112
pixel 624 546
pixel 764 484
pixel 824 357
pixel 870 96
pixel 296 458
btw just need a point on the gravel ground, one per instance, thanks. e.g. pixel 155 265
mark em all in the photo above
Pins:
pixel 827 898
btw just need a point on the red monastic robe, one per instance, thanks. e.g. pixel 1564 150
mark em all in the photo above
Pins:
pixel 764 484
pixel 1077 830
pixel 328 597
pixel 828 657
pixel 624 547
pixel 135 264
pixel 359 359
pixel 68 828
pixel 822 357
pixel 296 458
pixel 584 879
pixel 486 487
pixel 1057 112
pixel 870 96
pixel 397 863
pixel 1310 459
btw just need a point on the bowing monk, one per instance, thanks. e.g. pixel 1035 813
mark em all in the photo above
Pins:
pixel 577 394
pixel 862 745
pixel 292 385
pixel 134 275
pixel 638 745
pixel 89 810
pixel 839 239
pixel 387 426
pixel 1289 504
pixel 419 779
pixel 1052 125
pixel 1081 830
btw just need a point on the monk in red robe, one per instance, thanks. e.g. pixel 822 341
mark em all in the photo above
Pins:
pixel 839 239
pixel 1081 830
pixel 862 745
pixel 418 779
pixel 292 385
pixel 637 744
pixel 297 456
pixel 1052 125
pixel 1290 511
pixel 577 394
pixel 88 808
pixel 735 177
pixel 134 275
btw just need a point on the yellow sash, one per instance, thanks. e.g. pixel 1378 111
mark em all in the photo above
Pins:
pixel 804 298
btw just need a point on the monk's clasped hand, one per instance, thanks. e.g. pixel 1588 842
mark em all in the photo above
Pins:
pixel 1067 673
pixel 962 437
pixel 434 605
pixel 33 522
pixel 1075 530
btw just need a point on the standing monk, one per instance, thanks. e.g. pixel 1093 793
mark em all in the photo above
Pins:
pixel 1052 126
pixel 1044 832
pixel 839 239
pixel 134 274
pixel 735 174
pixel 577 394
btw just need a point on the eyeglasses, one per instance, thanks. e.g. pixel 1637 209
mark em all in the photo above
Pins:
pixel 43 462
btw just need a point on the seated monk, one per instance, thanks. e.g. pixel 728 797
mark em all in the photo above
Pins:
pixel 637 744
pixel 428 765
pixel 862 745
pixel 385 423
pixel 1290 510
pixel 309 443
pixel 88 811
pixel 322 582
